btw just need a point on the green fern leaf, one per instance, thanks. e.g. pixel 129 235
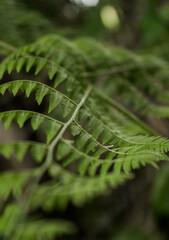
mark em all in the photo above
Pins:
pixel 61 76
pixel 40 64
pixel 40 94
pixel 68 107
pixel 99 142
pixel 93 168
pixel 21 118
pixel 36 121
pixel 29 64
pixel 71 158
pixel 83 166
pixel 62 151
pixel 38 152
pixel 29 87
pixel 15 87
pixel 3 88
pixel 51 130
pixel 54 100
pixel 52 70
pixel 8 119
pixel 10 66
pixel 2 70
pixel 105 168
pixel 6 150
pixel 20 63
pixel 75 130
pixel 20 150
pixel 82 139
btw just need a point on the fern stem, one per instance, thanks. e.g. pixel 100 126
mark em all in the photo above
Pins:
pixel 52 145
pixel 49 158
pixel 124 111
pixel 72 118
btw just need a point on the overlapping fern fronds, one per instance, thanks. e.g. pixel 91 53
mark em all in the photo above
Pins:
pixel 89 141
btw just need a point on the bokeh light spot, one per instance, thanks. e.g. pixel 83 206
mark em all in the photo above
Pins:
pixel 109 17
pixel 87 3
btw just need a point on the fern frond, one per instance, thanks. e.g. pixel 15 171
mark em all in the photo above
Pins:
pixel 41 90
pixel 90 163
pixel 37 150
pixel 50 125
pixel 13 182
pixel 55 71
pixel 46 228
pixel 31 229
pixel 77 189
pixel 130 74
pixel 95 137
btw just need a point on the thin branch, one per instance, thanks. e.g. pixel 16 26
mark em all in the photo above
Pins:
pixel 7 46
pixel 116 70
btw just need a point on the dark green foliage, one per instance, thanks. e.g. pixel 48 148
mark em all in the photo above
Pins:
pixel 131 233
pixel 20 25
pixel 160 196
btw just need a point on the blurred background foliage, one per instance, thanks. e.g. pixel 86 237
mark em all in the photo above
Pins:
pixel 134 23
pixel 140 208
